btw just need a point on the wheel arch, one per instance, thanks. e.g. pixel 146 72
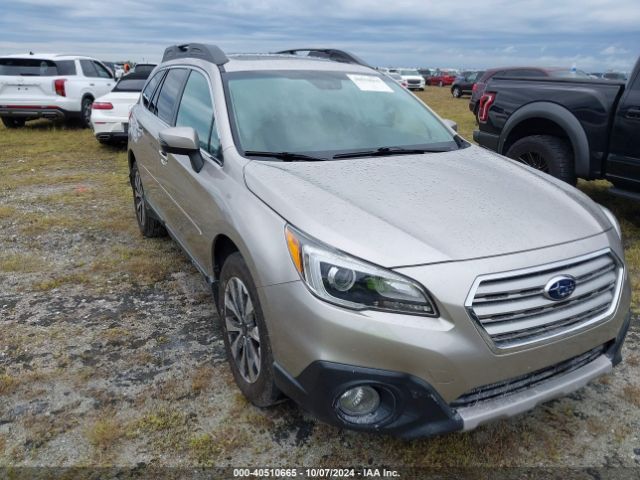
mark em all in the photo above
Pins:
pixel 547 118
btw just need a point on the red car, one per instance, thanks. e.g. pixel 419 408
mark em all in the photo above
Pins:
pixel 443 78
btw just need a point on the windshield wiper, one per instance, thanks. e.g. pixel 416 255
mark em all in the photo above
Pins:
pixel 284 156
pixel 384 151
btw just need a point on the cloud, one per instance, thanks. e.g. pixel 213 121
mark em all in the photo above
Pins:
pixel 613 50
pixel 407 32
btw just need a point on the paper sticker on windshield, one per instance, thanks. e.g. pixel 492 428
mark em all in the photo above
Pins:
pixel 369 83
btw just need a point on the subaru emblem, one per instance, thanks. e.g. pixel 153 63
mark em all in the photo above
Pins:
pixel 560 287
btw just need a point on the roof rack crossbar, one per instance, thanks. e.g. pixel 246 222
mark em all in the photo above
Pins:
pixel 210 53
pixel 328 53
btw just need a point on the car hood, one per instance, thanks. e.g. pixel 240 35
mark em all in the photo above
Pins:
pixel 416 209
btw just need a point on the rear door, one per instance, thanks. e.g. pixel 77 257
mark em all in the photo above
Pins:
pixel 623 165
pixel 100 80
pixel 143 139
pixel 30 81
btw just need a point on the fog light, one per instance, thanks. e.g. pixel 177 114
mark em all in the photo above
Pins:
pixel 359 401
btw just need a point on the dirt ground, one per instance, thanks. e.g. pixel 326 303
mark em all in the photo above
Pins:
pixel 110 353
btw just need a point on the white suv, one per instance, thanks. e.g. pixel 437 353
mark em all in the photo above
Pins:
pixel 50 86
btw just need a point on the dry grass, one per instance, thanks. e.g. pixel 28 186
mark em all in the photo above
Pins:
pixel 105 433
pixel 631 393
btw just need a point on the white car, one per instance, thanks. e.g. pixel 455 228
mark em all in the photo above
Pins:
pixel 50 86
pixel 414 80
pixel 110 113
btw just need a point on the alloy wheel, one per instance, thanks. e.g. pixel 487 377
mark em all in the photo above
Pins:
pixel 534 160
pixel 138 199
pixel 242 330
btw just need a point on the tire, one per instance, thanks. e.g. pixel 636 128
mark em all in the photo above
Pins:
pixel 149 225
pixel 441 83
pixel 85 112
pixel 11 122
pixel 245 333
pixel 456 92
pixel 552 155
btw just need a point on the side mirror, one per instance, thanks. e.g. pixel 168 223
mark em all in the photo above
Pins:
pixel 451 124
pixel 182 141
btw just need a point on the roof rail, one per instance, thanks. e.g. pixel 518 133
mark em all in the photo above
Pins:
pixel 210 53
pixel 329 53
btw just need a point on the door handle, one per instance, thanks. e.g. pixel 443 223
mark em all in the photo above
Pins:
pixel 633 113
pixel 163 157
pixel 92 84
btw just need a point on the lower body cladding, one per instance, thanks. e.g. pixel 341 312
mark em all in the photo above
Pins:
pixel 418 376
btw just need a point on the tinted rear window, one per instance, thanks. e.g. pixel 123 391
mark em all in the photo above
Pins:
pixel 129 85
pixel 32 67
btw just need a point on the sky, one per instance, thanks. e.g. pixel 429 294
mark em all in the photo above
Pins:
pixel 593 35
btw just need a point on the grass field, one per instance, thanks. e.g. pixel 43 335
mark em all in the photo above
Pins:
pixel 110 353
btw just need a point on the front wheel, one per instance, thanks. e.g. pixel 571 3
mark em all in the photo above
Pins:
pixel 546 153
pixel 245 333
pixel 11 122
pixel 456 92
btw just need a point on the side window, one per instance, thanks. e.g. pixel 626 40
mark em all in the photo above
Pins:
pixel 101 71
pixel 196 111
pixel 169 92
pixel 88 68
pixel 147 93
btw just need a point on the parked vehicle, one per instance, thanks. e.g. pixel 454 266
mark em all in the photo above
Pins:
pixel 143 68
pixel 110 113
pixel 479 86
pixel 567 127
pixel 411 76
pixel 426 73
pixel 443 78
pixel 617 76
pixel 50 86
pixel 316 198
pixel 398 78
pixel 463 84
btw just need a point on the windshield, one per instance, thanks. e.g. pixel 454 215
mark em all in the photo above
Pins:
pixel 409 72
pixel 328 112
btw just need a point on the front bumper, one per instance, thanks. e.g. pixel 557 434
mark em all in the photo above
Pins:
pixel 418 409
pixel 448 353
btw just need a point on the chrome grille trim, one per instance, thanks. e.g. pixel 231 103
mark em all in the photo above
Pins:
pixel 510 310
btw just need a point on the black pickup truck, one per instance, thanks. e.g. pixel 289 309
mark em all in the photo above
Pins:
pixel 569 127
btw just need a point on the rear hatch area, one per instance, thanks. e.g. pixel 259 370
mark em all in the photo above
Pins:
pixel 30 81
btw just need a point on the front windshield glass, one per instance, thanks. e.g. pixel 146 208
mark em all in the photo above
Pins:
pixel 328 112
pixel 409 72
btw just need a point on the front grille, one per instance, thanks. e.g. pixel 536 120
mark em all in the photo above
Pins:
pixel 414 82
pixel 524 382
pixel 513 310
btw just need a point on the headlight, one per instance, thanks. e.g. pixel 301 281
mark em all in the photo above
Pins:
pixel 613 220
pixel 347 281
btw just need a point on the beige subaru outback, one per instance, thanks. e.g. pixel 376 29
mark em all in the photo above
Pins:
pixel 366 261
